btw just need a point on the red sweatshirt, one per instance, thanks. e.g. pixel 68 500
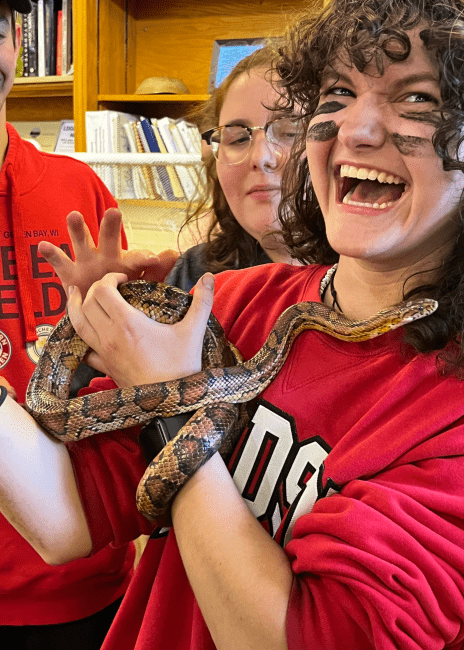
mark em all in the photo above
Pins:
pixel 37 192
pixel 353 461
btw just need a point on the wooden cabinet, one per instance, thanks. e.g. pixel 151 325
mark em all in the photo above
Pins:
pixel 119 43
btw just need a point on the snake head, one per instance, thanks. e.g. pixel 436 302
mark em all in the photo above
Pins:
pixel 412 310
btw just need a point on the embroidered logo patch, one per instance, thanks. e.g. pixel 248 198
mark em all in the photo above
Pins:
pixel 5 349
pixel 34 348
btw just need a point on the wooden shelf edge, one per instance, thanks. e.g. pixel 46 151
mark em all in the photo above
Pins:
pixel 65 78
pixel 152 98
pixel 52 86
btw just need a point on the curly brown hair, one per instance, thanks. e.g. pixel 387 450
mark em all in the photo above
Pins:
pixel 228 245
pixel 369 31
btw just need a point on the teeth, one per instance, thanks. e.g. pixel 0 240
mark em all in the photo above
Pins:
pixel 371 174
pixel 376 206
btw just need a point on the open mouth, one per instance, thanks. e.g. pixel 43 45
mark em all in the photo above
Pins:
pixel 366 187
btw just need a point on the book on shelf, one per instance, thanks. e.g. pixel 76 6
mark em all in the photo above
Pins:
pixel 141 191
pixel 160 170
pixel 25 44
pixel 99 139
pixel 114 131
pixel 40 38
pixel 105 133
pixel 124 182
pixel 192 134
pixel 66 53
pixel 173 177
pixel 169 133
pixel 59 43
pixel 152 170
pixel 47 39
pixel 189 148
pixel 30 43
pixel 50 17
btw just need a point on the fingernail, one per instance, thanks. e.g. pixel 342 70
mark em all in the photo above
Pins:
pixel 70 289
pixel 208 280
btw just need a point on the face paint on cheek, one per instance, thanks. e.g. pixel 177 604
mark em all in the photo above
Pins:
pixel 426 118
pixel 322 132
pixel 329 107
pixel 409 145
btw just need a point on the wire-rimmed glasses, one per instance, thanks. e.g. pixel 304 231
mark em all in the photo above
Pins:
pixel 231 144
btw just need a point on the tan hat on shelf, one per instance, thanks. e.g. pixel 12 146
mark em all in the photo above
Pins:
pixel 162 86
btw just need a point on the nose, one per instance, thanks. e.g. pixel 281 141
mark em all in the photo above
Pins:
pixel 264 155
pixel 363 125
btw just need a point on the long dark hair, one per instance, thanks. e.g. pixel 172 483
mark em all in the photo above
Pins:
pixel 228 245
pixel 369 31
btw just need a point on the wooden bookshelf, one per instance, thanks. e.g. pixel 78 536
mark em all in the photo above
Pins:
pixel 136 40
pixel 41 99
pixel 119 43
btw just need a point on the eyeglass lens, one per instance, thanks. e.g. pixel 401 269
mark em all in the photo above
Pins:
pixel 231 144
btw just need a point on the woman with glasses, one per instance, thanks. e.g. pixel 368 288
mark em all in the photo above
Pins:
pixel 243 164
pixel 338 523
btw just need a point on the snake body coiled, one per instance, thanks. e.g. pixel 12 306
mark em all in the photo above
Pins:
pixel 216 393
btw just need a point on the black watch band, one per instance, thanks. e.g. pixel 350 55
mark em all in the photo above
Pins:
pixel 3 394
pixel 157 433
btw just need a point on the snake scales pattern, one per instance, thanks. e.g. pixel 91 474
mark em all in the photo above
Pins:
pixel 218 393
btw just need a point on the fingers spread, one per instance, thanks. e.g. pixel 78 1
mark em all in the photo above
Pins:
pixel 56 257
pixel 79 232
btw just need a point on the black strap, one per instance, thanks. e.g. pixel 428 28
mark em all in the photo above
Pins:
pixel 157 433
pixel 3 394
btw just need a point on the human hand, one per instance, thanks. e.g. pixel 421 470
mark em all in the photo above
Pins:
pixel 130 347
pixel 9 387
pixel 93 262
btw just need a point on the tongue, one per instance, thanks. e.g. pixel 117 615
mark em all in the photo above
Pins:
pixel 375 192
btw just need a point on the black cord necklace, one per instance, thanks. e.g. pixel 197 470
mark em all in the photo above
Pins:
pixel 333 293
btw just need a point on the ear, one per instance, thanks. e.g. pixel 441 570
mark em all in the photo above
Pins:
pixel 18 38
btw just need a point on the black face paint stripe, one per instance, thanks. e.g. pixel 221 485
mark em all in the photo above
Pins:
pixel 426 118
pixel 322 131
pixel 329 107
pixel 410 145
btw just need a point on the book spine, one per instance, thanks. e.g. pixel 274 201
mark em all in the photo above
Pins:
pixel 151 171
pixel 25 54
pixel 50 41
pixel 40 38
pixel 165 190
pixel 183 172
pixel 136 172
pixel 143 168
pixel 64 37
pixel 148 130
pixel 174 179
pixel 33 42
pixel 59 43
pixel 191 171
pixel 67 36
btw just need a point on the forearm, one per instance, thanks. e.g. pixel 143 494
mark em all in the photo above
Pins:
pixel 38 493
pixel 241 578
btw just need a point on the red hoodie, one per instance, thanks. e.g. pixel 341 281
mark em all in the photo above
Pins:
pixel 37 192
pixel 353 461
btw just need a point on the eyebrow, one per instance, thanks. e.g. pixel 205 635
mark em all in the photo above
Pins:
pixel 399 83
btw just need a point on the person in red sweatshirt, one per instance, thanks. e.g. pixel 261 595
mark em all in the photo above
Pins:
pixel 58 608
pixel 338 523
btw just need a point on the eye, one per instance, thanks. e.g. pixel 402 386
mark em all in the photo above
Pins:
pixel 420 98
pixel 339 91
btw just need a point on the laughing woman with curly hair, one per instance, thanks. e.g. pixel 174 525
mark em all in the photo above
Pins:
pixel 338 521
